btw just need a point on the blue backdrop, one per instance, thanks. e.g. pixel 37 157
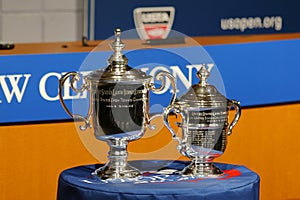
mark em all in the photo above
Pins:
pixel 197 18
pixel 256 74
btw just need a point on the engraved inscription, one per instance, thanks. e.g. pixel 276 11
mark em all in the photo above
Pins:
pixel 120 108
pixel 214 139
pixel 203 138
pixel 211 116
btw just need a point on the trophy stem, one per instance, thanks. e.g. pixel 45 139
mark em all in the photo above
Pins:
pixel 117 166
pixel 200 167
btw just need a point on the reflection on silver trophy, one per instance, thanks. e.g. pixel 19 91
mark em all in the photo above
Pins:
pixel 119 108
pixel 204 124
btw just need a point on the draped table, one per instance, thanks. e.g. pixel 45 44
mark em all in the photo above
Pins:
pixel 160 180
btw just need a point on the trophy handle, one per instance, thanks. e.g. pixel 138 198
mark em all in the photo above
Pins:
pixel 236 105
pixel 75 77
pixel 170 110
pixel 160 76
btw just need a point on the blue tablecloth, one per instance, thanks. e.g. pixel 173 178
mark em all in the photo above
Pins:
pixel 160 181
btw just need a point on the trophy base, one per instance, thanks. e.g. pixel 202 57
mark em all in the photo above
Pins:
pixel 122 174
pixel 204 170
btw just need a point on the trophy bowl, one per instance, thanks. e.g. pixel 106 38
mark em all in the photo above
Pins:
pixel 204 124
pixel 119 108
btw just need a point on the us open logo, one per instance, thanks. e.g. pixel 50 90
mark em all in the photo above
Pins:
pixel 154 22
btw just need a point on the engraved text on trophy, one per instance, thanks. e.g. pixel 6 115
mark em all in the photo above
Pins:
pixel 207 129
pixel 120 108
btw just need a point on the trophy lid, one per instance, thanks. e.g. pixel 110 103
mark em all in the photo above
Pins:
pixel 203 94
pixel 118 69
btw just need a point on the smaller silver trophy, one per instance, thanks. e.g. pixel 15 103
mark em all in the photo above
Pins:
pixel 204 124
pixel 119 108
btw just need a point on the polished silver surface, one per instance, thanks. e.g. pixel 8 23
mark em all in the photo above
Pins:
pixel 119 108
pixel 205 127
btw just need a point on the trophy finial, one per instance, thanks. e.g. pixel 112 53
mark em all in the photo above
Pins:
pixel 117 32
pixel 203 74
pixel 117 45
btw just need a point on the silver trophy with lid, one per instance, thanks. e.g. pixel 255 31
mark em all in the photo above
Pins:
pixel 204 124
pixel 119 107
